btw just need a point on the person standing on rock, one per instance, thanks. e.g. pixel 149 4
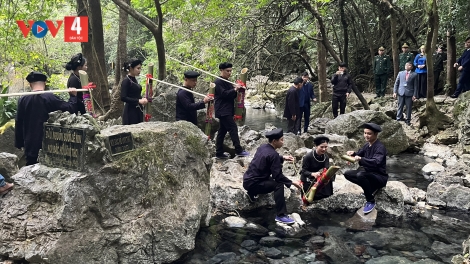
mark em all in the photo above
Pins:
pixel 292 108
pixel 225 95
pixel 372 174
pixel 33 110
pixel 463 66
pixel 342 86
pixel 382 65
pixel 77 63
pixel 131 94
pixel 186 107
pixel 406 88
pixel 438 58
pixel 422 71
pixel 313 164
pixel 264 175
pixel 306 95
pixel 5 187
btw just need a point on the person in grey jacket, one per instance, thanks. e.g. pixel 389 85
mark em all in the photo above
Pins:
pixel 406 88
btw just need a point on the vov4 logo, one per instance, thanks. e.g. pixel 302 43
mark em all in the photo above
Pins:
pixel 75 28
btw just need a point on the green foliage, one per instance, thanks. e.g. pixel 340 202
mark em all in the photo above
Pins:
pixel 7 107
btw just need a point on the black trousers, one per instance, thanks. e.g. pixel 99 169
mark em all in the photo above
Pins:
pixel 305 111
pixel 422 85
pixel 267 187
pixel 464 83
pixel 227 124
pixel 436 81
pixel 30 160
pixel 341 100
pixel 369 182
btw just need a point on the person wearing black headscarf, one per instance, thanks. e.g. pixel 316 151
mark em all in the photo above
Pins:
pixel 372 158
pixel 77 63
pixel 131 94
pixel 33 110
pixel 312 165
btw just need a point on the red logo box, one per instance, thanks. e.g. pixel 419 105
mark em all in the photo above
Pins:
pixel 75 29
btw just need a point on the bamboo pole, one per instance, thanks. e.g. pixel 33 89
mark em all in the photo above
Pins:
pixel 174 85
pixel 40 92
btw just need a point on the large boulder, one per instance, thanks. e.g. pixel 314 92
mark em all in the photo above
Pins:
pixel 7 142
pixel 143 206
pixel 8 165
pixel 350 125
pixel 455 196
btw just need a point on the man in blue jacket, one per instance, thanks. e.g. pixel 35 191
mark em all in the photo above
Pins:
pixel 463 64
pixel 406 89
pixel 306 94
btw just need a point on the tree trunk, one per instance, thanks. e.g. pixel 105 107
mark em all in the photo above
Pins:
pixel 322 87
pixel 451 59
pixel 367 32
pixel 117 105
pixel 155 28
pixel 344 23
pixel 432 117
pixel 93 50
pixel 393 32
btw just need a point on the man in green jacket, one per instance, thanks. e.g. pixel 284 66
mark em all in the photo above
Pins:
pixel 404 57
pixel 382 65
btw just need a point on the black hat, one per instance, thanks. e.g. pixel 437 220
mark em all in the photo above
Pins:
pixel 320 139
pixel 373 127
pixel 191 74
pixel 342 64
pixel 275 133
pixel 298 80
pixel 35 76
pixel 225 65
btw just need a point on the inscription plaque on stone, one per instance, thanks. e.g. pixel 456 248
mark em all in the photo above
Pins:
pixel 121 143
pixel 63 146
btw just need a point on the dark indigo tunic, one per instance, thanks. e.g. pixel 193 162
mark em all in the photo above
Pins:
pixel 186 108
pixel 74 82
pixel 130 95
pixel 32 112
pixel 292 103
pixel 309 165
pixel 224 98
pixel 265 164
pixel 342 84
pixel 374 159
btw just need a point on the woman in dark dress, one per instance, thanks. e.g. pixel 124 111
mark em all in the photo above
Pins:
pixel 77 63
pixel 131 92
pixel 312 165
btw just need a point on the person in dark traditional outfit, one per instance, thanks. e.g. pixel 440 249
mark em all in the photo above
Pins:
pixel 264 175
pixel 225 94
pixel 186 107
pixel 33 110
pixel 131 94
pixel 343 84
pixel 77 63
pixel 306 96
pixel 312 165
pixel 372 174
pixel 463 66
pixel 292 108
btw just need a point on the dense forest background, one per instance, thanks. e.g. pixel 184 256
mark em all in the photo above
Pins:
pixel 273 38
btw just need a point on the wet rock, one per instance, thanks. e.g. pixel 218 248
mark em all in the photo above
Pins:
pixel 250 245
pixel 392 237
pixel 445 252
pixel 447 137
pixel 440 151
pixel 392 136
pixel 8 165
pixel 290 260
pixel 315 242
pixel 227 257
pixel 417 194
pixel 390 205
pixel 405 191
pixel 452 197
pixel 129 209
pixel 432 169
pixel 361 221
pixel 389 260
pixel 242 225
pixel 273 253
pixel 442 225
pixel 234 222
pixel 271 241
pixel 336 251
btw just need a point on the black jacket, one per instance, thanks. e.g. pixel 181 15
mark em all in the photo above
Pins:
pixel 186 108
pixel 292 103
pixel 342 84
pixel 74 82
pixel 224 98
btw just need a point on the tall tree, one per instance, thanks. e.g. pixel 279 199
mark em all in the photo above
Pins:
pixel 93 50
pixel 155 25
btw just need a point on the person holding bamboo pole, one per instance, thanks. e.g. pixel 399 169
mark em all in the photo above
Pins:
pixel 131 94
pixel 77 63
pixel 225 94
pixel 186 107
pixel 372 157
pixel 33 111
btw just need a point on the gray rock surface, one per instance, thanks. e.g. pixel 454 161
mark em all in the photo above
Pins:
pixel 7 143
pixel 349 125
pixel 145 206
pixel 8 165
